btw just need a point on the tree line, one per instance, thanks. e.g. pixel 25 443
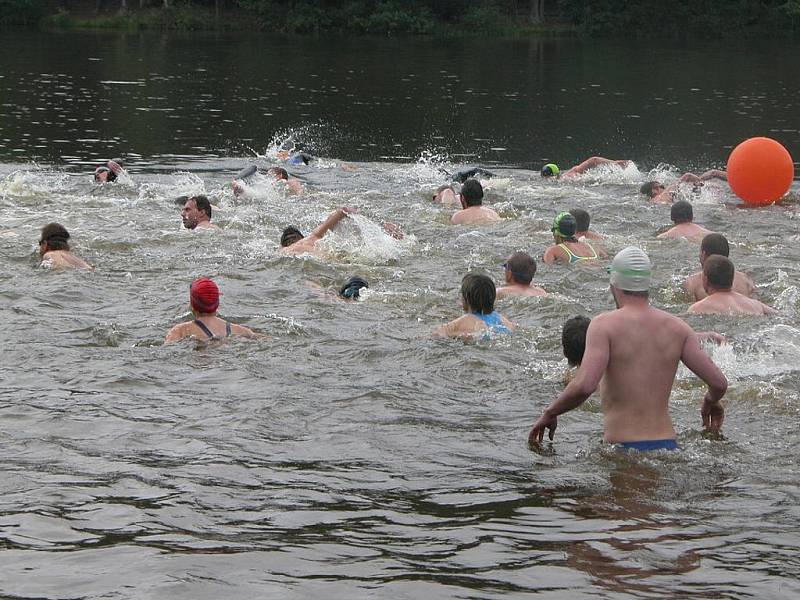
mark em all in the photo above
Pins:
pixel 632 18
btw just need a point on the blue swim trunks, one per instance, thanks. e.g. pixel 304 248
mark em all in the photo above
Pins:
pixel 648 445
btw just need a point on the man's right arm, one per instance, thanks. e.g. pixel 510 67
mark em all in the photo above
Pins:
pixel 331 222
pixel 699 363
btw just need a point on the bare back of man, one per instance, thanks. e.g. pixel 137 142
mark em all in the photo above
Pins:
pixel 64 259
pixel 690 231
pixel 475 215
pixel 730 303
pixel 640 369
pixel 742 283
pixel 508 291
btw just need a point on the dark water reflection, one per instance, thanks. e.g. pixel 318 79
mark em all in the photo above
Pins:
pixel 349 455
pixel 75 96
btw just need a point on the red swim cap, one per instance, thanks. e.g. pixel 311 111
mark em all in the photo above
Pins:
pixel 204 296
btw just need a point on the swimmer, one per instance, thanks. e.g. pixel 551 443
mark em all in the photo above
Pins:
pixel 660 194
pixel 582 220
pixel 573 343
pixel 108 172
pixel 206 325
pixel 54 249
pixel 446 195
pixel 567 248
pixel 552 170
pixel 196 213
pixel 716 243
pixel 519 271
pixel 682 215
pixel 477 299
pixel 636 350
pixel 464 174
pixel 718 274
pixel 293 242
pixel 352 288
pixel 292 183
pixel 472 210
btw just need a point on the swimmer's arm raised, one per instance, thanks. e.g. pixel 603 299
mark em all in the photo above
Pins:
pixel 714 174
pixel 331 222
pixel 595 361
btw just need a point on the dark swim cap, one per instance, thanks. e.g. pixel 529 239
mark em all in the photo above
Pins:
pixel 301 158
pixel 350 290
pixel 550 170
pixel 565 225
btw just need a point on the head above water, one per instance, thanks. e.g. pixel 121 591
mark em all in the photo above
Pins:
pixel 714 243
pixel 573 339
pixel 564 226
pixel 278 173
pixel 204 296
pixel 631 270
pixel 550 170
pixel 681 212
pixel 478 293
pixel 351 288
pixel 521 267
pixel 472 192
pixel 718 272
pixel 582 219
pixel 651 189
pixel 195 210
pixel 290 235
pixel 54 236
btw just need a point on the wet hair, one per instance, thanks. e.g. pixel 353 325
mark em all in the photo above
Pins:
pixel 290 235
pixel 715 243
pixel 681 212
pixel 636 293
pixel 522 267
pixel 110 175
pixel 719 271
pixel 472 192
pixel 56 236
pixel 479 293
pixel 202 203
pixel 442 188
pixel 582 219
pixel 573 339
pixel 647 188
pixel 351 288
pixel 181 200
pixel 278 172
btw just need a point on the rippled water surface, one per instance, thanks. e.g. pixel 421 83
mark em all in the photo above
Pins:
pixel 348 454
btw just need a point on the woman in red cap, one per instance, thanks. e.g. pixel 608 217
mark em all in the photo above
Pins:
pixel 204 300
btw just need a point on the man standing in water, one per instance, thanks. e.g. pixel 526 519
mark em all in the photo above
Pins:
pixel 196 213
pixel 716 243
pixel 718 278
pixel 472 210
pixel 635 350
pixel 519 271
pixel 54 249
pixel 206 325
pixel 682 215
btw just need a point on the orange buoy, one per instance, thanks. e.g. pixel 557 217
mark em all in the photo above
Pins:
pixel 760 171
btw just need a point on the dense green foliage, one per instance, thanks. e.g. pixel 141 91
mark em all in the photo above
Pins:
pixel 638 18
pixel 21 12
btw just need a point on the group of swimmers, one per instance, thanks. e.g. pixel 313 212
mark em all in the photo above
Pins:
pixel 635 350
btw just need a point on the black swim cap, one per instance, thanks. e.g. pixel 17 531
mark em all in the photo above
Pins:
pixel 246 173
pixel 350 290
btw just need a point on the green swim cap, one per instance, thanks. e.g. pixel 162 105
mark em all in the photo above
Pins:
pixel 550 170
pixel 565 225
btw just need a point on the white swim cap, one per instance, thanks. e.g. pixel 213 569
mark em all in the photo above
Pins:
pixel 630 270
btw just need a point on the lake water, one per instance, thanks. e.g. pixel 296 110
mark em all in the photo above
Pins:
pixel 349 454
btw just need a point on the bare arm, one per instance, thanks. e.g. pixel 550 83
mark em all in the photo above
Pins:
pixel 176 333
pixel 595 361
pixel 714 174
pixel 591 163
pixel 701 365
pixel 331 222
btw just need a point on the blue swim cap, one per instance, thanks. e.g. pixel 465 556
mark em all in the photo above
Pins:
pixel 301 158
pixel 350 290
